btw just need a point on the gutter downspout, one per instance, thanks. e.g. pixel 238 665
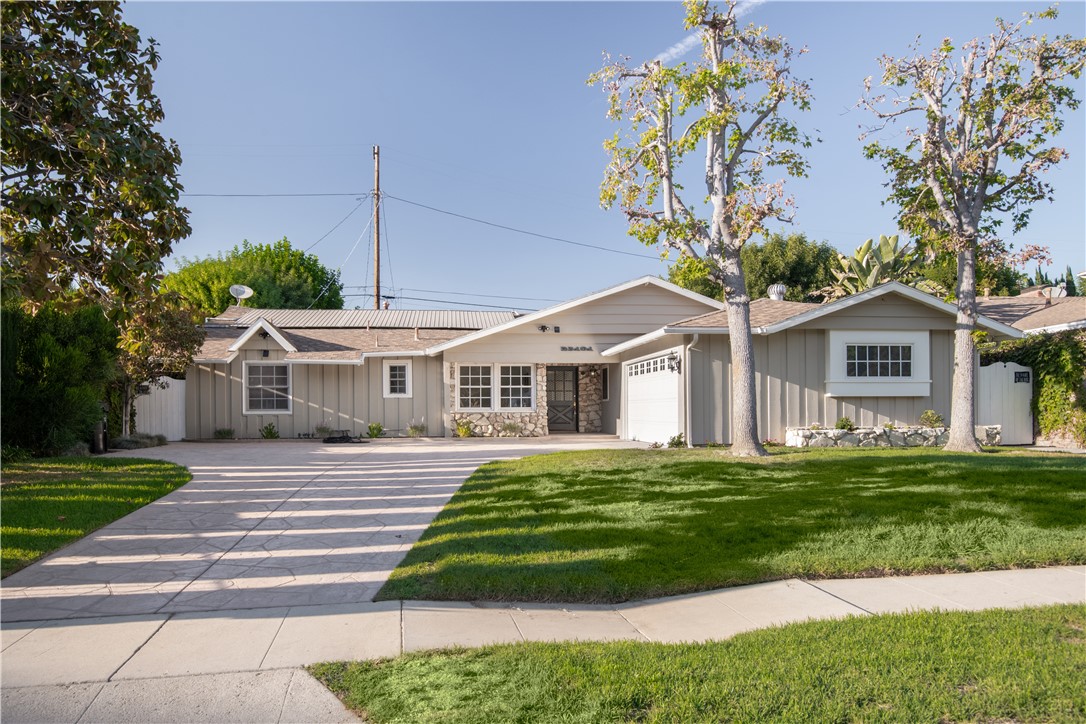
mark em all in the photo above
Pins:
pixel 688 422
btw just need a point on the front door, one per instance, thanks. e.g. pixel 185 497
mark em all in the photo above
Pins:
pixel 562 399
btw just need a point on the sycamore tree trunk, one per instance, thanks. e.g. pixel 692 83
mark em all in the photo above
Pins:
pixel 744 404
pixel 962 410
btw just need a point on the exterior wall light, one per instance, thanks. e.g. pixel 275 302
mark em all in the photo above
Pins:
pixel 673 362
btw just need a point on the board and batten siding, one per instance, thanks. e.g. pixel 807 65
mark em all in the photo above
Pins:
pixel 342 397
pixel 790 384
pixel 598 324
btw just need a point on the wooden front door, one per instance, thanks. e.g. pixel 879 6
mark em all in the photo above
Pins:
pixel 562 399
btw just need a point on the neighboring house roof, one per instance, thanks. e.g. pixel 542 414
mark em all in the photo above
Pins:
pixel 549 311
pixel 770 317
pixel 362 318
pixel 1036 314
pixel 763 312
pixel 328 345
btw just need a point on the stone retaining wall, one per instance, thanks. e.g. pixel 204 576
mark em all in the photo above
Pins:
pixel 884 437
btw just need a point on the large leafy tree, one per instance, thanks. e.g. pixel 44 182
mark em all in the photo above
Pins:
pixel 90 189
pixel 737 93
pixel 279 275
pixel 977 140
pixel 803 266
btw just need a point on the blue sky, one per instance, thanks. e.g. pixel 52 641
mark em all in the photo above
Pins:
pixel 481 109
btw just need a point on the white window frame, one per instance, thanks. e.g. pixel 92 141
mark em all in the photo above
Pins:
pixel 461 408
pixel 497 377
pixel 496 386
pixel 245 387
pixel 839 384
pixel 386 381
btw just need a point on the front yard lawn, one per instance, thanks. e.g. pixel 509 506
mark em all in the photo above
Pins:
pixel 48 503
pixel 1024 665
pixel 615 525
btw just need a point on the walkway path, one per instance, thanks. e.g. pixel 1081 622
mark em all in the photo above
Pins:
pixel 242 665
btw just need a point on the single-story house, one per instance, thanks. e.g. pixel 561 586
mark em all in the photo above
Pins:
pixel 643 360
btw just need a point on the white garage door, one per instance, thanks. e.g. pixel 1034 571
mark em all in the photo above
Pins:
pixel 652 401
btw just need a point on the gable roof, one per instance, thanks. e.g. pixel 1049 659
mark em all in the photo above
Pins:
pixel 342 346
pixel 1036 314
pixel 362 318
pixel 573 303
pixel 770 317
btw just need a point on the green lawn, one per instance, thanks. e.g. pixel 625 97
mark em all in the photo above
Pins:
pixel 992 666
pixel 604 526
pixel 46 504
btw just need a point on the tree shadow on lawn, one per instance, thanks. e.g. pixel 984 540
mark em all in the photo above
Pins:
pixel 646 525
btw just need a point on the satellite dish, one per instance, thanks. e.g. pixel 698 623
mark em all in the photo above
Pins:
pixel 240 291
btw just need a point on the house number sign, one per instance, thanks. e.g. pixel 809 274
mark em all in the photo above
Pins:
pixel 576 349
pixel 1021 376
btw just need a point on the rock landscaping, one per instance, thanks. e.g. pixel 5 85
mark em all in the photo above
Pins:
pixel 883 436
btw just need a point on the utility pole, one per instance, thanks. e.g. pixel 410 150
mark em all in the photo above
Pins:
pixel 376 227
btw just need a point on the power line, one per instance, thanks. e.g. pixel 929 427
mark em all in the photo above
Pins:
pixel 521 231
pixel 361 201
pixel 264 196
pixel 444 301
pixel 340 269
pixel 462 294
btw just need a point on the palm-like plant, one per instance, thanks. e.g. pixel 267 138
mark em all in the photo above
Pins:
pixel 874 264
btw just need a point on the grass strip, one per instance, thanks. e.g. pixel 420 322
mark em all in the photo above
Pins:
pixel 616 525
pixel 1021 665
pixel 50 502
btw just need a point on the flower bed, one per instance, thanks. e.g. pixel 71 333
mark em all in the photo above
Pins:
pixel 883 437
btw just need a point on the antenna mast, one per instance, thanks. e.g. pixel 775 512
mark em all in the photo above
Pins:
pixel 376 227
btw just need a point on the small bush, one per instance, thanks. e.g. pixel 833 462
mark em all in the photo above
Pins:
pixel 224 433
pixel 375 430
pixel 845 423
pixel 464 429
pixel 656 446
pixel 888 426
pixel 931 418
pixel 770 442
pixel 323 431
pixel 676 441
pixel 79 450
pixel 513 429
pixel 137 441
pixel 814 426
pixel 14 454
pixel 416 429
pixel 269 432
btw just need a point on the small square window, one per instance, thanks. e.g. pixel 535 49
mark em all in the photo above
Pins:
pixel 397 378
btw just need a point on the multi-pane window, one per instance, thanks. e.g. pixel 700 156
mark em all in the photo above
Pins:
pixel 516 386
pixel 476 389
pixel 647 367
pixel 878 360
pixel 397 378
pixel 267 388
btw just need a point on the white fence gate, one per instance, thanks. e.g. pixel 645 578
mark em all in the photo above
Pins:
pixel 1004 392
pixel 162 411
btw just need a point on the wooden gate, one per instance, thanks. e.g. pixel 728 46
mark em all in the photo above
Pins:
pixel 162 411
pixel 1004 393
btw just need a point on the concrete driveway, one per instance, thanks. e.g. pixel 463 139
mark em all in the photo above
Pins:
pixel 262 525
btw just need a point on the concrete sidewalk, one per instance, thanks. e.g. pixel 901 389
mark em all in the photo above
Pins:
pixel 243 665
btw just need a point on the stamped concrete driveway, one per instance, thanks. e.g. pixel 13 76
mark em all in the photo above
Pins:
pixel 261 525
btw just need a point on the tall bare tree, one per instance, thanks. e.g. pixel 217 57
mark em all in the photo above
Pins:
pixel 983 119
pixel 735 95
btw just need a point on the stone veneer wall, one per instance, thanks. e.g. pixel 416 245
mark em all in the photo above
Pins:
pixel 883 437
pixel 486 423
pixel 590 398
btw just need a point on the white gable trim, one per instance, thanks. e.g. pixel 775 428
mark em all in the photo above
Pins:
pixel 1080 324
pixel 208 361
pixel 897 287
pixel 263 325
pixel 635 342
pixel 534 316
